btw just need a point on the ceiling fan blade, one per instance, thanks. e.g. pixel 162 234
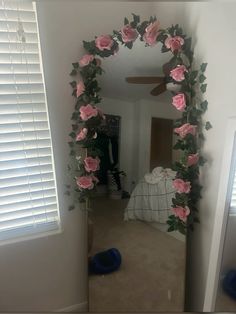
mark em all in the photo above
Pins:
pixel 144 79
pixel 158 89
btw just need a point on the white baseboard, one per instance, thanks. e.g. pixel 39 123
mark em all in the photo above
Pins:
pixel 75 308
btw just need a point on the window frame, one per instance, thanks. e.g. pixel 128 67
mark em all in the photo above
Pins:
pixel 24 234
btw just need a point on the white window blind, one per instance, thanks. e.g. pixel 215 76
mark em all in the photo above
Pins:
pixel 28 198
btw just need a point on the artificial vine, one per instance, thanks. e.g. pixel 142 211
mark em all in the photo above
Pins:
pixel 87 117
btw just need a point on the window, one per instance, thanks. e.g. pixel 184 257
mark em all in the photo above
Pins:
pixel 28 197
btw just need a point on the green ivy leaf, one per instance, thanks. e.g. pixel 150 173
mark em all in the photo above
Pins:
pixel 164 49
pixel 202 78
pixel 181 228
pixel 72 134
pixel 116 32
pixel 204 105
pixel 136 20
pixel 179 31
pixel 75 65
pixel 201 136
pixel 129 45
pixel 171 228
pixel 73 84
pixel 203 67
pixel 87 45
pixel 73 72
pixel 208 125
pixel 193 75
pixel 126 21
pixel 202 161
pixel 188 43
pixel 203 88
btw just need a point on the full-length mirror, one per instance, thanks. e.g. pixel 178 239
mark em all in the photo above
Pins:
pixel 134 195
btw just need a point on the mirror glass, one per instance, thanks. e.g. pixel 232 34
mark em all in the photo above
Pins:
pixel 226 285
pixel 127 225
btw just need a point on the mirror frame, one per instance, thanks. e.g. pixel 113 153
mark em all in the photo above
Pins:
pixel 87 117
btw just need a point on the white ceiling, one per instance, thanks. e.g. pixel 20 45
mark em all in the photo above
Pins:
pixel 139 61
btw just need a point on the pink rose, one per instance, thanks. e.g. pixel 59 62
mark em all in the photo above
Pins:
pixel 178 73
pixel 80 88
pixel 192 160
pixel 174 43
pixel 85 182
pixel 91 164
pixel 82 134
pixel 182 186
pixel 85 60
pixel 181 212
pixel 128 33
pixel 87 112
pixel 151 33
pixel 104 42
pixel 186 129
pixel 179 101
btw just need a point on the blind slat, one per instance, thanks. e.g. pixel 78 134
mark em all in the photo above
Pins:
pixel 13 26
pixel 28 221
pixel 27 204
pixel 15 146
pixel 18 198
pixel 25 163
pixel 4 174
pixel 34 214
pixel 19 68
pixel 19 78
pixel 39 208
pixel 23 180
pixel 23 188
pixel 18 136
pixel 30 153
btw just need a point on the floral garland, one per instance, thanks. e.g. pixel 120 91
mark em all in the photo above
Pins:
pixel 87 117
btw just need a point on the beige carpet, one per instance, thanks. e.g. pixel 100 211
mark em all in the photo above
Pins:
pixel 151 278
pixel 224 303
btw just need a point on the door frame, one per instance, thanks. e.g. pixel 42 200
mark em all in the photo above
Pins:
pixel 221 216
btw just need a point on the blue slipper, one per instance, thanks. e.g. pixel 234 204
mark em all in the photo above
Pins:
pixel 105 262
pixel 229 283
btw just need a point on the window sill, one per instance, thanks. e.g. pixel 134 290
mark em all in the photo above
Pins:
pixel 33 236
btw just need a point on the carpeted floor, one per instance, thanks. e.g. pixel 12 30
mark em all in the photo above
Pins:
pixel 224 303
pixel 151 277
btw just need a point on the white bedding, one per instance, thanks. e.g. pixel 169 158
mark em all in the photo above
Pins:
pixel 151 202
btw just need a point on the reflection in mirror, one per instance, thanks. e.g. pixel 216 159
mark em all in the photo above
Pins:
pixel 127 230
pixel 226 286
